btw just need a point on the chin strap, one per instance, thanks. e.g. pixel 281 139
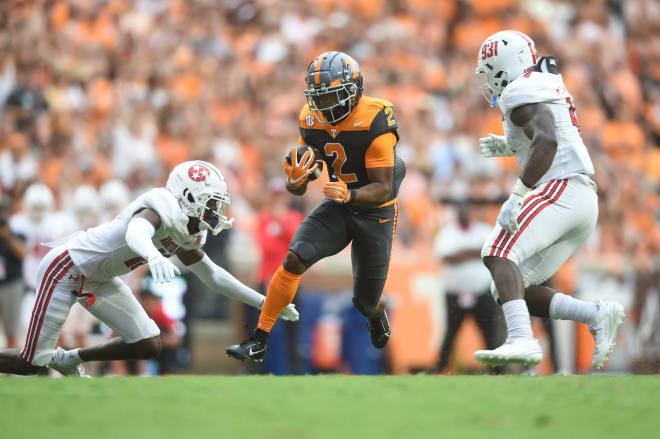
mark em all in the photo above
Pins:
pixel 493 101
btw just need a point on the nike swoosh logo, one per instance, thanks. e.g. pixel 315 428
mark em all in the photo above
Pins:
pixel 382 221
pixel 296 180
pixel 251 353
pixel 357 124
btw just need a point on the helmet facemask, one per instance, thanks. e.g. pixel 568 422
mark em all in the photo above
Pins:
pixel 491 88
pixel 201 191
pixel 211 209
pixel 335 103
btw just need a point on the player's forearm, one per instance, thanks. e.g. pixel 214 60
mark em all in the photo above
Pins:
pixel 220 280
pixel 138 238
pixel 543 153
pixel 372 194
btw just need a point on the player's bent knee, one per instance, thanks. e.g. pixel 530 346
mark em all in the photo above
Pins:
pixel 155 347
pixel 22 367
pixel 27 369
pixel 150 347
pixel 492 261
pixel 293 264
pixel 31 370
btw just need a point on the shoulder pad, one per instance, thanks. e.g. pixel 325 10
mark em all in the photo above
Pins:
pixel 383 118
pixel 167 207
pixel 531 89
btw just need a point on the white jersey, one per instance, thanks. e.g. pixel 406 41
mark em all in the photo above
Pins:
pixel 470 275
pixel 51 227
pixel 101 252
pixel 572 158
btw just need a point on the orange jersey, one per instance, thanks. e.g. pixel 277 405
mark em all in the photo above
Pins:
pixel 366 138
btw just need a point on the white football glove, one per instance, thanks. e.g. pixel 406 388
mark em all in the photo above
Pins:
pixel 508 217
pixel 495 146
pixel 162 269
pixel 290 314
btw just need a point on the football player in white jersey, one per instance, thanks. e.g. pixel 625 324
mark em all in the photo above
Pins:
pixel 38 223
pixel 114 196
pixel 160 223
pixel 553 207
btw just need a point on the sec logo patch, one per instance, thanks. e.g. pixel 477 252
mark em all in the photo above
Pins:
pixel 309 120
pixel 198 172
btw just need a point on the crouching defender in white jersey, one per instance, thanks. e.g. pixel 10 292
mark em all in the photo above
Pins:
pixel 553 207
pixel 160 223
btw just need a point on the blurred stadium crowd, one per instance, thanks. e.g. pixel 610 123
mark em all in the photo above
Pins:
pixel 97 90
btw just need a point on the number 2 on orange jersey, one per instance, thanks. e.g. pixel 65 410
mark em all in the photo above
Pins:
pixel 337 150
pixel 390 116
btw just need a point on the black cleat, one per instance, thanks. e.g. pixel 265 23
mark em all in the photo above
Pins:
pixel 254 348
pixel 379 328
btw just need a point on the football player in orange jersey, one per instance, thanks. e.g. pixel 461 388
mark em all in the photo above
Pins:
pixel 356 137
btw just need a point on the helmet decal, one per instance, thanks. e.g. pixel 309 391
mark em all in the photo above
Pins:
pixel 201 192
pixel 529 43
pixel 198 172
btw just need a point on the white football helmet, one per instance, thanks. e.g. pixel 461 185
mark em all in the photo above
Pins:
pixel 114 197
pixel 86 206
pixel 202 193
pixel 38 201
pixel 503 57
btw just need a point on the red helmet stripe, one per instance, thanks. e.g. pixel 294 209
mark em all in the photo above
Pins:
pixel 529 43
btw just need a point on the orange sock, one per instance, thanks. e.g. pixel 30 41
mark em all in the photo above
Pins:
pixel 281 291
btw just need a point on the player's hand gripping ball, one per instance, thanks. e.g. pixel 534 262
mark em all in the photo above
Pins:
pixel 307 165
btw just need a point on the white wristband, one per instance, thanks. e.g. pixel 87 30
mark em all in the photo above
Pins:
pixel 520 189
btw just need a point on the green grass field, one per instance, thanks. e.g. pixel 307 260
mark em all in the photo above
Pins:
pixel 332 407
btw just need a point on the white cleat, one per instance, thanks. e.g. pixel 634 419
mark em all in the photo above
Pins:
pixel 523 351
pixel 607 320
pixel 66 364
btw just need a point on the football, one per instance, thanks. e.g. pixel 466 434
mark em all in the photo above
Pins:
pixel 300 150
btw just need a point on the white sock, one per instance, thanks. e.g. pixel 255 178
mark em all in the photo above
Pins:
pixel 564 307
pixel 518 324
pixel 73 354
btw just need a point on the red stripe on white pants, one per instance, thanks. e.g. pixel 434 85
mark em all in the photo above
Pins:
pixel 529 220
pixel 60 265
